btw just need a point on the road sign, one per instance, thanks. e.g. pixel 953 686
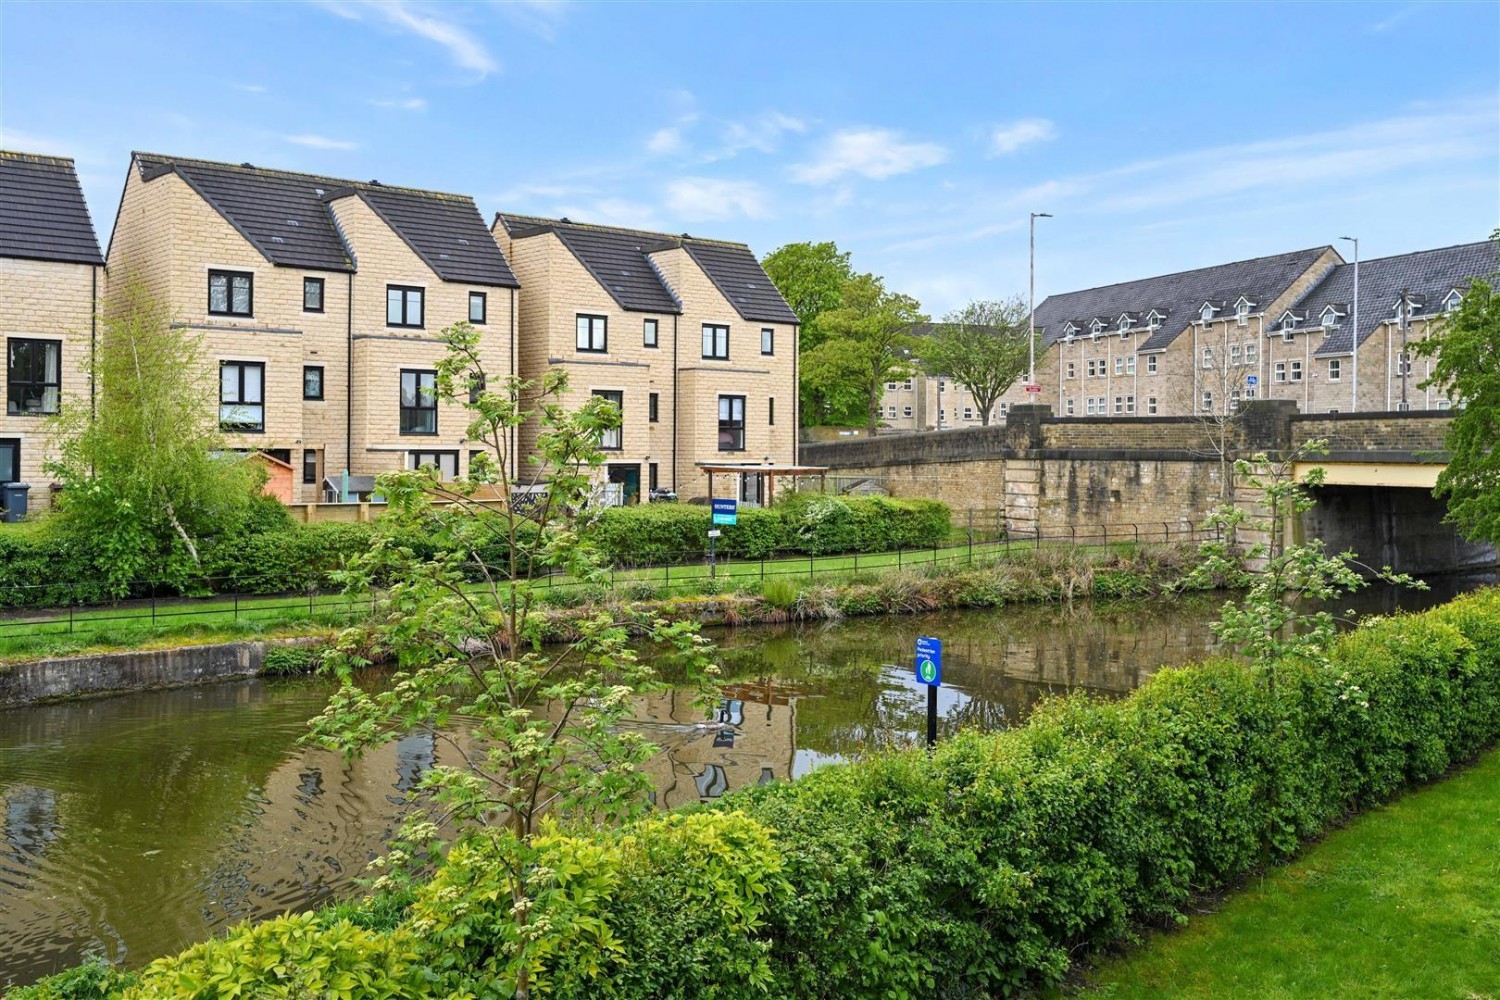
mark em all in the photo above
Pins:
pixel 713 532
pixel 1033 388
pixel 930 661
pixel 725 511
pixel 1252 379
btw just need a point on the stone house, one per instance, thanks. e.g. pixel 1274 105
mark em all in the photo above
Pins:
pixel 50 280
pixel 686 335
pixel 318 302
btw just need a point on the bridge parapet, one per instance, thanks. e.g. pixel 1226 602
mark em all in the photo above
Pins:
pixel 1411 436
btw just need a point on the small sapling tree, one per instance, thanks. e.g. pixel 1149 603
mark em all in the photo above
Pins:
pixel 532 734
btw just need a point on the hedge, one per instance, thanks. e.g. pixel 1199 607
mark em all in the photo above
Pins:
pixel 984 868
pixel 41 567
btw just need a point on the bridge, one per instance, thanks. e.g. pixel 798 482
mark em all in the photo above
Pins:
pixel 1049 473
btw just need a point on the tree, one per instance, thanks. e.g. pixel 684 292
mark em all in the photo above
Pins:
pixel 983 347
pixel 869 336
pixel 533 734
pixel 1466 345
pixel 811 277
pixel 147 479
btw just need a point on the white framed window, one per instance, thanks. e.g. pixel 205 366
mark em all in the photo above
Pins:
pixel 1234 354
pixel 1151 364
pixel 1130 365
pixel 1208 357
pixel 1335 369
pixel 968 413
pixel 1206 313
pixel 1242 314
pixel 1092 369
pixel 1289 336
pixel 1068 406
pixel 1089 406
pixel 1150 406
pixel 906 411
pixel 1129 404
pixel 1403 364
pixel 1330 317
pixel 1296 371
pixel 1004 409
pixel 1444 404
pixel 1250 392
pixel 1119 366
pixel 906 385
pixel 1402 407
pixel 1250 353
pixel 1333 409
pixel 1453 301
pixel 1072 371
pixel 1119 404
pixel 1208 401
pixel 1234 400
pixel 893 385
pixel 1278 371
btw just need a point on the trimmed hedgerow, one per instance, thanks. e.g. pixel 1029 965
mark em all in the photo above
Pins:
pixel 990 865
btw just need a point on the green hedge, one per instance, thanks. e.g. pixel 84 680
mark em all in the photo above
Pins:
pixel 988 866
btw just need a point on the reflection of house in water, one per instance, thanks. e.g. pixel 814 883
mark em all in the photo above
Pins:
pixel 749 739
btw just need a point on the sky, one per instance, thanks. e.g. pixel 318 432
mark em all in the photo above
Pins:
pixel 919 137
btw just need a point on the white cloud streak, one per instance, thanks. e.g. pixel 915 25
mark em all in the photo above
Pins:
pixel 312 141
pixel 465 48
pixel 401 104
pixel 707 199
pixel 874 153
pixel 1008 138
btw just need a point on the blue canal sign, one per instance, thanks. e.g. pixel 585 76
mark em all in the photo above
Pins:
pixel 726 511
pixel 1252 379
pixel 929 661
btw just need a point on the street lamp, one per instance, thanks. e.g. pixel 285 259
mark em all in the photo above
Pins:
pixel 1031 313
pixel 1354 346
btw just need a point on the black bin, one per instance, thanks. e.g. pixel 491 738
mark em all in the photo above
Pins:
pixel 13 501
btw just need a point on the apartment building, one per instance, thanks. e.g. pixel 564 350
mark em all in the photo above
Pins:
pixel 1419 287
pixel 318 301
pixel 686 335
pixel 926 402
pixel 50 279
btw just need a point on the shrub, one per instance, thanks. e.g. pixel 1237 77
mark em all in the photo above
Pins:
pixel 95 979
pixel 285 661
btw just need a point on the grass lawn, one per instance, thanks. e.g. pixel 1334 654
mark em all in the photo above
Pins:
pixel 1403 902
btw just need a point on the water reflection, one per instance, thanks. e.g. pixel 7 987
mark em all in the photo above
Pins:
pixel 136 825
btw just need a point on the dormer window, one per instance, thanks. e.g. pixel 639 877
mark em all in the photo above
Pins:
pixel 1289 321
pixel 1153 321
pixel 1452 301
pixel 1096 326
pixel 1242 312
pixel 1330 317
pixel 1124 324
pixel 1206 314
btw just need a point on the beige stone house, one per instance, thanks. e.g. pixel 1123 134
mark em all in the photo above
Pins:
pixel 319 301
pixel 686 335
pixel 50 280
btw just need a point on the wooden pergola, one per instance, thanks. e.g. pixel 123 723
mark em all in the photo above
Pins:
pixel 768 475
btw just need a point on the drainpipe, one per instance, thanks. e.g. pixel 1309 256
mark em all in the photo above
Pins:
pixel 93 340
pixel 348 388
pixel 796 396
pixel 515 467
pixel 675 412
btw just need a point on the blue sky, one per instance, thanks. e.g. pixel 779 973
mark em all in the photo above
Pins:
pixel 1161 136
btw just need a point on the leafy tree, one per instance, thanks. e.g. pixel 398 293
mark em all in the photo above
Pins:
pixel 811 277
pixel 832 385
pixel 982 347
pixel 1466 345
pixel 146 480
pixel 533 735
pixel 869 338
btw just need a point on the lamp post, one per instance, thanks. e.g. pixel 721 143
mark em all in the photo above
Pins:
pixel 1354 343
pixel 1031 311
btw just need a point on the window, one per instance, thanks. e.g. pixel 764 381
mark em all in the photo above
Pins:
pixel 890 412
pixel 418 402
pixel 478 307
pixel 732 423
pixel 1119 366
pixel 1442 404
pixel 476 386
pixel 942 384
pixel 653 477
pixel 1250 353
pixel 1403 364
pixel 767 340
pixel 1004 409
pixel 33 376
pixel 716 342
pixel 650 329
pixel 1234 354
pixel 1250 392
pixel 1072 369
pixel 10 460
pixel 593 333
pixel 1068 406
pixel 1330 317
pixel 1333 409
pixel 1335 369
pixel 1208 401
pixel 1129 404
pixel 1296 371
pixel 771 411
pixel 968 413
pixel 242 396
pixel 1242 314
pixel 1151 364
pixel 1130 365
pixel 1289 337
pixel 1089 406
pixel 312 295
pixel 1151 406
pixel 1093 368
pixel 1206 313
pixel 1124 323
pixel 1452 301
pixel 906 411
pixel 1119 404
pixel 653 408
pixel 1279 371
pixel 893 385
pixel 942 415
pixel 1208 357
pixel 446 462
pixel 613 438
pixel 231 293
pixel 312 382
pixel 1402 407
pixel 906 385
pixel 403 306
pixel 309 465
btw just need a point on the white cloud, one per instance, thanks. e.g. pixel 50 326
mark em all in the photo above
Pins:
pixel 875 153
pixel 665 141
pixel 465 48
pixel 706 199
pixel 1386 24
pixel 611 212
pixel 1008 138
pixel 401 104
pixel 761 133
pixel 251 88
pixel 312 141
pixel 540 17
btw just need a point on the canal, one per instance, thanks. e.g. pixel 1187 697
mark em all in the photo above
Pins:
pixel 132 826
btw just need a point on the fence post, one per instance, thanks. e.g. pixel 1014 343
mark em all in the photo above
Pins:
pixel 1137 529
pixel 971 540
pixel 310 592
pixel 811 570
pixel 153 604
pixel 236 607
pixel 1166 533
pixel 70 619
pixel 898 558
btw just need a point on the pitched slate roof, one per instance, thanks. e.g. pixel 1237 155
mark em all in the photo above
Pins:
pixel 1429 275
pixel 619 259
pixel 285 216
pixel 42 212
pixel 1179 295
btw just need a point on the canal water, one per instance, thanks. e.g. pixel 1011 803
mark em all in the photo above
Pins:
pixel 132 826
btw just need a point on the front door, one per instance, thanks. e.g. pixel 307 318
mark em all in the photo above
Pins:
pixel 628 477
pixel 751 484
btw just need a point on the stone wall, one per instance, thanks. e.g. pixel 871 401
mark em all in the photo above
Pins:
pixel 1415 432
pixel 109 673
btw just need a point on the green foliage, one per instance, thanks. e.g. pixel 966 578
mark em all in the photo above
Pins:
pixel 810 276
pixel 287 661
pixel 983 347
pixel 868 342
pixel 95 979
pixel 1466 345
pixel 147 481
pixel 293 957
